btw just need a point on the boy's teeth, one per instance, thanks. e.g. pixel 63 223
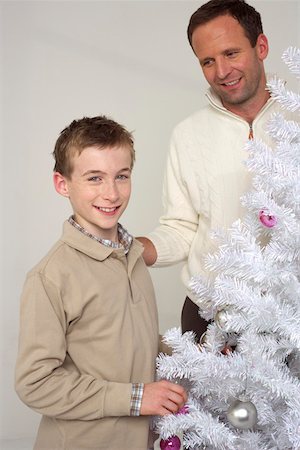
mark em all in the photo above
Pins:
pixel 106 209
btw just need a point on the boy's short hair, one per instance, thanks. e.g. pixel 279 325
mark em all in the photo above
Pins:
pixel 99 131
pixel 246 15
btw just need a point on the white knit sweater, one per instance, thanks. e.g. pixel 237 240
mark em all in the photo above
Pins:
pixel 204 180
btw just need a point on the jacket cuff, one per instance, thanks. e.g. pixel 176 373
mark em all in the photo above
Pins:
pixel 117 399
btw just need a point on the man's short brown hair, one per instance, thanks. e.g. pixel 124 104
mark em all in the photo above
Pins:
pixel 246 15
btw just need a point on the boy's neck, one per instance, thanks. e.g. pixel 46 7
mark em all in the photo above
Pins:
pixel 123 240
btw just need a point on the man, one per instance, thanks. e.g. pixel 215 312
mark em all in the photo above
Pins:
pixel 205 175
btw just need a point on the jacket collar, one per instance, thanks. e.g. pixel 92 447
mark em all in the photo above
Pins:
pixel 77 240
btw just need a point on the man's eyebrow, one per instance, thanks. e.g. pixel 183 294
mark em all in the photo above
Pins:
pixel 207 58
pixel 232 49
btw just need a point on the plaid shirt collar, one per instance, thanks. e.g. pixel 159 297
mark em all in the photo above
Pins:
pixel 125 239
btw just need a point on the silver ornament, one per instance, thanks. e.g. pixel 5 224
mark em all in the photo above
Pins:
pixel 203 342
pixel 209 343
pixel 242 415
pixel 203 338
pixel 221 319
pixel 293 363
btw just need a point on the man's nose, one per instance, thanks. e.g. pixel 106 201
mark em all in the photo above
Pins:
pixel 223 68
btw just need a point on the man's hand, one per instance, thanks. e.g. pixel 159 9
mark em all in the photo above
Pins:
pixel 162 398
pixel 149 254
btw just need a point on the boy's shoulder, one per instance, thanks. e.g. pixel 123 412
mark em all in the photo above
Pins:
pixel 60 255
pixel 75 250
pixel 54 258
pixel 68 253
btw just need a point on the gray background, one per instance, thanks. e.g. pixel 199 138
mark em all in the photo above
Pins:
pixel 60 61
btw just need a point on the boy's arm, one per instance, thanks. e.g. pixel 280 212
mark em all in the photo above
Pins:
pixel 57 390
pixel 162 398
pixel 43 382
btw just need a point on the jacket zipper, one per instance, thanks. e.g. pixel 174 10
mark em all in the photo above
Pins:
pixel 250 131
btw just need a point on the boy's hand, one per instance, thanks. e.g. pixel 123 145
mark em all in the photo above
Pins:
pixel 162 398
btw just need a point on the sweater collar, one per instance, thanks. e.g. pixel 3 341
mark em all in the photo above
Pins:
pixel 216 102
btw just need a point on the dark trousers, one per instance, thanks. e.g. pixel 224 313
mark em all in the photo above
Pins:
pixel 190 319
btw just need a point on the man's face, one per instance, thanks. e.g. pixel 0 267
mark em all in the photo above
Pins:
pixel 231 66
pixel 99 188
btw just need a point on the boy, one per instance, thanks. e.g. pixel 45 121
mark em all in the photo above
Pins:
pixel 89 332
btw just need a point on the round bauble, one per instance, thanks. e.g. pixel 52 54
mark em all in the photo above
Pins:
pixel 203 338
pixel 183 410
pixel 242 415
pixel 221 319
pixel 268 220
pixel 172 443
pixel 205 342
pixel 293 363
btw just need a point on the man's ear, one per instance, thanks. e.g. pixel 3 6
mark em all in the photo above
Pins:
pixel 262 47
pixel 60 184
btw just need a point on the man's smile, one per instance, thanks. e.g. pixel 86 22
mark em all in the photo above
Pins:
pixel 231 83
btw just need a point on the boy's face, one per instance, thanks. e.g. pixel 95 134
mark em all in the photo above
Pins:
pixel 99 188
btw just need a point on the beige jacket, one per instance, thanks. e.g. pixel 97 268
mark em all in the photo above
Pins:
pixel 88 331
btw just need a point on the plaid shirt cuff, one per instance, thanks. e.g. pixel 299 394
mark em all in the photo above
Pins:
pixel 136 398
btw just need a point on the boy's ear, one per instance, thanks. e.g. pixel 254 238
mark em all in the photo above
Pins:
pixel 60 184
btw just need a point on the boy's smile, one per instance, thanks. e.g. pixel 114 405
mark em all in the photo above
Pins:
pixel 99 188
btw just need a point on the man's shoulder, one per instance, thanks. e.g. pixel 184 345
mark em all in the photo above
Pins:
pixel 199 116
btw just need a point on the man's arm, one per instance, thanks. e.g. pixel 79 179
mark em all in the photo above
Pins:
pixel 170 242
pixel 150 253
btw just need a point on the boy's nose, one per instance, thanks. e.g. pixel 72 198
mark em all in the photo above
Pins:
pixel 111 192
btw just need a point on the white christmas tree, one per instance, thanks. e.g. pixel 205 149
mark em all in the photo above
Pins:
pixel 243 378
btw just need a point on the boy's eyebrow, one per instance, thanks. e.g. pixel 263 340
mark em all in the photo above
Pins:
pixel 99 172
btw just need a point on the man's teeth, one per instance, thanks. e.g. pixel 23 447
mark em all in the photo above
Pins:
pixel 231 83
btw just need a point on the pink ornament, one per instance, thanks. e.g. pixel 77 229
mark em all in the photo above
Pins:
pixel 183 410
pixel 268 220
pixel 172 443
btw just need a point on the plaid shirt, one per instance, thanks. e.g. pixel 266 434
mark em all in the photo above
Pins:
pixel 125 241
pixel 136 398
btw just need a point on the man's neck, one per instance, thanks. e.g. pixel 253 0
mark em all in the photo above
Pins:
pixel 248 111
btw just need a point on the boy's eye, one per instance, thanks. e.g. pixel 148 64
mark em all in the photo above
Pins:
pixel 122 177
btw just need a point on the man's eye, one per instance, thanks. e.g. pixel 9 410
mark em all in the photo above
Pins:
pixel 94 179
pixel 122 177
pixel 232 54
pixel 207 63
